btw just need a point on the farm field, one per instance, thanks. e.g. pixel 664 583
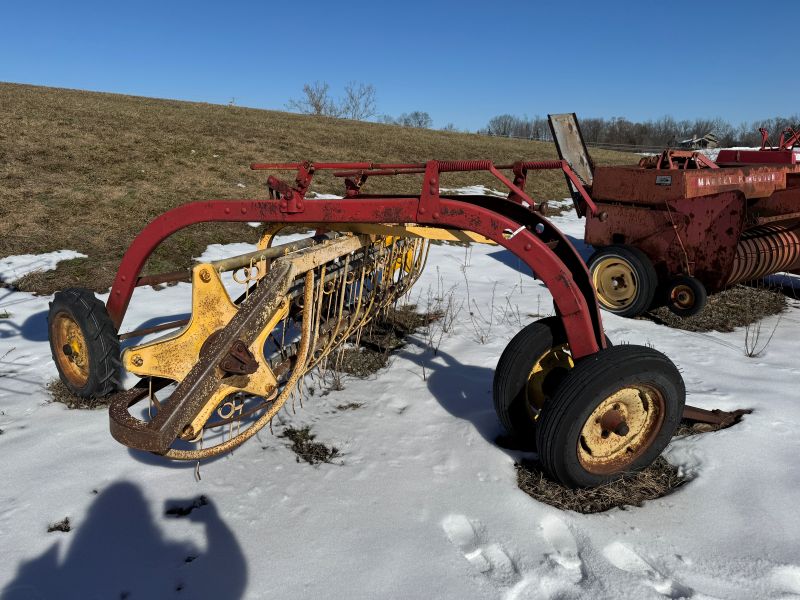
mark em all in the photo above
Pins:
pixel 86 170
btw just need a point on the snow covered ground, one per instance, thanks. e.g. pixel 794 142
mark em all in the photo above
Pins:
pixel 14 267
pixel 423 503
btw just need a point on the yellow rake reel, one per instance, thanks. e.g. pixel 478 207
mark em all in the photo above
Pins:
pixel 236 363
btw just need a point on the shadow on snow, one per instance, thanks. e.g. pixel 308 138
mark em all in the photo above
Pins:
pixel 119 551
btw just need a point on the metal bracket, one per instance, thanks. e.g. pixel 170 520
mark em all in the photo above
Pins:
pixel 291 200
pixel 428 208
pixel 240 361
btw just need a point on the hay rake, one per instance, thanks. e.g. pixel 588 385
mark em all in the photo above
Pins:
pixel 592 410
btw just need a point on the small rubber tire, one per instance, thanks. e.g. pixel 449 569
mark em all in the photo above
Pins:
pixel 593 380
pixel 513 369
pixel 100 343
pixel 646 279
pixel 686 296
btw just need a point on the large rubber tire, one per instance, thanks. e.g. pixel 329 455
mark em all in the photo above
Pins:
pixel 638 274
pixel 510 392
pixel 512 372
pixel 594 381
pixel 685 296
pixel 93 340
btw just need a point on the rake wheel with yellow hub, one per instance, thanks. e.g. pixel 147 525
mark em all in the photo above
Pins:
pixel 615 413
pixel 261 321
pixel 84 343
pixel 530 370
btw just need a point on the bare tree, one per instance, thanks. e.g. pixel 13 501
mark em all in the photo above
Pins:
pixel 358 102
pixel 418 118
pixel 316 101
pixel 501 125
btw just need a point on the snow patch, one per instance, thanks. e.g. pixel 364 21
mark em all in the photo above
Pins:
pixel 474 190
pixel 14 267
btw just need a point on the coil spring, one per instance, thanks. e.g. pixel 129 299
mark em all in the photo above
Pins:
pixel 542 164
pixel 464 165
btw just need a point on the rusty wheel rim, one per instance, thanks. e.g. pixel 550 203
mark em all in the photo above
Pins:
pixel 620 429
pixel 535 389
pixel 682 296
pixel 70 349
pixel 615 282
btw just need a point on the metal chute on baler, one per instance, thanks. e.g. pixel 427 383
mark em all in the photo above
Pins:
pixel 593 411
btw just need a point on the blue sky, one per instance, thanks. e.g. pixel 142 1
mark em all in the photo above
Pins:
pixel 462 62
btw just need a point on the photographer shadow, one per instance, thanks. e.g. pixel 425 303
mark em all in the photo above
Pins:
pixel 119 551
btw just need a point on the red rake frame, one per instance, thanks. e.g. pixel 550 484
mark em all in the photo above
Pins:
pixel 511 222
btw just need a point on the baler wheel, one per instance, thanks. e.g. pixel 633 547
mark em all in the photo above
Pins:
pixel 624 279
pixel 686 296
pixel 84 343
pixel 614 413
pixel 530 369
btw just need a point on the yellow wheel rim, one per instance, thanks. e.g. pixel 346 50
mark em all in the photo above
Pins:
pixel 620 429
pixel 71 352
pixel 615 282
pixel 682 296
pixel 536 392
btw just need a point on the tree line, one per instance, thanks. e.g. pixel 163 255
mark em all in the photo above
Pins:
pixel 666 131
pixel 359 102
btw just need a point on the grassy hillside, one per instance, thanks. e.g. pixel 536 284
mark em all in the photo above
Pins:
pixel 86 171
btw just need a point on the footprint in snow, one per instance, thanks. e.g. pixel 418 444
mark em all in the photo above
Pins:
pixel 628 560
pixel 786 578
pixel 492 561
pixel 486 557
pixel 564 570
pixel 559 536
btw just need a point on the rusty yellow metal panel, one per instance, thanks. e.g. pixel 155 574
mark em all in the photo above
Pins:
pixel 173 356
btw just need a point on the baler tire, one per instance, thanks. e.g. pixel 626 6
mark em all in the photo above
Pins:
pixel 686 296
pixel 639 267
pixel 78 320
pixel 511 388
pixel 635 382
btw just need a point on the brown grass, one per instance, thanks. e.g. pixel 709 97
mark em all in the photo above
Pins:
pixel 735 307
pixel 304 446
pixel 381 337
pixel 63 526
pixel 86 171
pixel 59 393
pixel 655 481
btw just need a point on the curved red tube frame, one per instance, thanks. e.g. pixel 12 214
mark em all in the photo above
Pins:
pixel 536 241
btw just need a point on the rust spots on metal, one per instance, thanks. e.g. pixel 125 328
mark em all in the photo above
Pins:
pixel 715 417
